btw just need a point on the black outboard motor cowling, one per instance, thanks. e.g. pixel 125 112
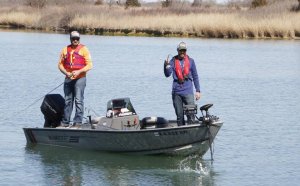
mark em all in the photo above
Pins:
pixel 53 109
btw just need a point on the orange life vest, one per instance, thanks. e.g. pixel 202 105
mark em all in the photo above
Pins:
pixel 182 74
pixel 74 61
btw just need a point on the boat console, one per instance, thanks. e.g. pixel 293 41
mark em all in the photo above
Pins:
pixel 120 115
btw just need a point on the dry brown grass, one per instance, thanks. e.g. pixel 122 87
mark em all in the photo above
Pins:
pixel 20 19
pixel 273 21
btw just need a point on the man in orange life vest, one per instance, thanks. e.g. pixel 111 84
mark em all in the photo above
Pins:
pixel 75 61
pixel 184 76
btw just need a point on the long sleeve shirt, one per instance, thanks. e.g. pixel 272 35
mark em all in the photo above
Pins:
pixel 186 87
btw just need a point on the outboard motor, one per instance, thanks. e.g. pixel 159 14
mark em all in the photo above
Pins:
pixel 53 109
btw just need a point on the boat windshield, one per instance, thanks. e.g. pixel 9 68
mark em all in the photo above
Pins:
pixel 121 103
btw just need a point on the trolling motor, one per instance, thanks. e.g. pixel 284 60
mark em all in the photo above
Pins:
pixel 207 118
pixel 205 108
pixel 191 112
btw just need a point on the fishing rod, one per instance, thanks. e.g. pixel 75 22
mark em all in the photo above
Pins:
pixel 42 97
pixel 37 100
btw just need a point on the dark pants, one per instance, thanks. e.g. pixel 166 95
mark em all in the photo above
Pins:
pixel 178 101
pixel 74 91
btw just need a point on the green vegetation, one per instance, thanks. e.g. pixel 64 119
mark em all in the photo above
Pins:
pixel 166 3
pixel 36 3
pixel 132 3
pixel 257 3
pixel 237 19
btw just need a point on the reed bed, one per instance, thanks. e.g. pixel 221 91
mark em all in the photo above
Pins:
pixel 20 19
pixel 199 25
pixel 274 21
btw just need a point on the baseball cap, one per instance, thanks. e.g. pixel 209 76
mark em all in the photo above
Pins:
pixel 181 46
pixel 74 34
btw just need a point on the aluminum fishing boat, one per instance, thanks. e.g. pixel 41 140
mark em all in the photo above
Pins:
pixel 122 131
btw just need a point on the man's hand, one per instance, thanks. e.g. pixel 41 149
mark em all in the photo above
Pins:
pixel 197 95
pixel 69 74
pixel 167 64
pixel 75 73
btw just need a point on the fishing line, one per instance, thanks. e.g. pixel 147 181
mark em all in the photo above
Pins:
pixel 42 97
pixel 19 112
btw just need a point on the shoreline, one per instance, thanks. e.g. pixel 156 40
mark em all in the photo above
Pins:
pixel 275 21
pixel 136 33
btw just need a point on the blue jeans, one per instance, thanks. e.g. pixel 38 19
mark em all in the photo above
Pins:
pixel 178 101
pixel 74 91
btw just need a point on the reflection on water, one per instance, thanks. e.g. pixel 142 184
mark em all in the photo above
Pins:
pixel 67 166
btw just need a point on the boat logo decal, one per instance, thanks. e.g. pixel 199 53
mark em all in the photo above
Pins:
pixel 70 139
pixel 167 133
pixel 74 139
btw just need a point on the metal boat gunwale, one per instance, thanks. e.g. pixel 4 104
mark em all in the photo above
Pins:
pixel 124 131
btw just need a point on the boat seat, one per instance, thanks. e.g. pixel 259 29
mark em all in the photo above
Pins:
pixel 154 122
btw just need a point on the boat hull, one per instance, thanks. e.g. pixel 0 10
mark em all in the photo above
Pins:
pixel 183 140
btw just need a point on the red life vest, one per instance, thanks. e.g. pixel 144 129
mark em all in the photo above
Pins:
pixel 182 74
pixel 74 61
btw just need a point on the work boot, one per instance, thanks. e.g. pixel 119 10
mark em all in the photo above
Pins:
pixel 76 125
pixel 63 125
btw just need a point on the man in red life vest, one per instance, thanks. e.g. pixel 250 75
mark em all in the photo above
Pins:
pixel 75 61
pixel 185 75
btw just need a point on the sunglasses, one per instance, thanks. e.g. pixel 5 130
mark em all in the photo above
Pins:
pixel 183 50
pixel 75 38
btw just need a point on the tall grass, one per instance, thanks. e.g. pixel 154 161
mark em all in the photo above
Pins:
pixel 199 25
pixel 20 19
pixel 273 21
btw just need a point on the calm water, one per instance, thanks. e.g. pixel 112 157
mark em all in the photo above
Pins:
pixel 254 86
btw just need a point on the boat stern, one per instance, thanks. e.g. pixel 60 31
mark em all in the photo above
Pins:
pixel 29 135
